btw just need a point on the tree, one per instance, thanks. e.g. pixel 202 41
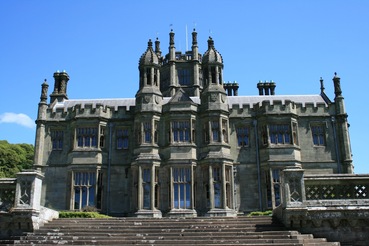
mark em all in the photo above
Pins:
pixel 15 158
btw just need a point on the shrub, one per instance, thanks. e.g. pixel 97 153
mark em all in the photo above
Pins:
pixel 72 214
pixel 260 213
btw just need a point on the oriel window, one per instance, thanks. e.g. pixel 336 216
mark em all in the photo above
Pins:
pixel 87 137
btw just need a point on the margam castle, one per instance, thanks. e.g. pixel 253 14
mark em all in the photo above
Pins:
pixel 187 145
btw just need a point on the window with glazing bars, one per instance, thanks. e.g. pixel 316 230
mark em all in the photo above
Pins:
pixel 181 131
pixel 147 131
pixel 215 131
pixel 242 136
pixel 280 134
pixel 84 184
pixel 87 137
pixel 182 188
pixel 122 138
pixel 57 139
pixel 318 134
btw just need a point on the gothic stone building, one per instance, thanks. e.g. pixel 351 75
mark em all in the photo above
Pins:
pixel 187 144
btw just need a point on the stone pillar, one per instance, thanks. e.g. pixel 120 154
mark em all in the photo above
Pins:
pixel 211 187
pixel 28 214
pixel 139 190
pixel 293 187
pixel 152 194
pixel 28 191
pixel 224 188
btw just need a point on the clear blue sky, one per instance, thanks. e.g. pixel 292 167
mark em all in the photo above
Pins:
pixel 99 43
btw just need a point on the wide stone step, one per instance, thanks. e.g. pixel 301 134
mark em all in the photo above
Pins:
pixel 167 231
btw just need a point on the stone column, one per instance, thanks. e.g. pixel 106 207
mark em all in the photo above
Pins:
pixel 211 187
pixel 152 194
pixel 293 187
pixel 28 191
pixel 192 188
pixel 224 188
pixel 139 188
pixel 28 214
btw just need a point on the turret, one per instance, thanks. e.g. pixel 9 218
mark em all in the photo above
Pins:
pixel 172 64
pixel 149 96
pixel 40 126
pixel 196 65
pixel 339 121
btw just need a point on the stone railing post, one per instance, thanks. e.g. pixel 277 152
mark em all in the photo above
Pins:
pixel 292 210
pixel 28 192
pixel 293 187
pixel 27 213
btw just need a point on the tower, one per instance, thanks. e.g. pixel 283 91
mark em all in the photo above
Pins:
pixel 147 117
pixel 217 165
pixel 340 124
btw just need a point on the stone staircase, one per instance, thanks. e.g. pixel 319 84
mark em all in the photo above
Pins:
pixel 167 231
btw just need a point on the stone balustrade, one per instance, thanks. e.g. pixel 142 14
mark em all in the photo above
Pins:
pixel 20 202
pixel 7 194
pixel 334 206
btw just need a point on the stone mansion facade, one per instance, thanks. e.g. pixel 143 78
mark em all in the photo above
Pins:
pixel 187 144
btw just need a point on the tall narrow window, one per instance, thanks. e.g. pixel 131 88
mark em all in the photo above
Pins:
pixel 243 136
pixel 102 137
pixel 228 177
pixel 138 133
pixel 155 77
pixel 318 134
pixel 273 189
pixel 217 185
pixel 146 187
pixel 268 188
pixel 225 131
pixel 280 134
pixel 215 131
pixel 193 136
pixel 87 137
pixel 84 184
pixel 182 188
pixel 148 76
pixel 147 131
pixel 184 77
pixel 206 132
pixel 276 187
pixel 157 188
pixel 181 131
pixel 156 134
pixel 122 138
pixel 294 133
pixel 57 139
pixel 213 75
pixel 264 134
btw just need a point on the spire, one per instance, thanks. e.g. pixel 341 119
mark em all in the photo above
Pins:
pixel 149 44
pixel 337 85
pixel 194 38
pixel 321 85
pixel 157 47
pixel 44 89
pixel 171 38
pixel 210 43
